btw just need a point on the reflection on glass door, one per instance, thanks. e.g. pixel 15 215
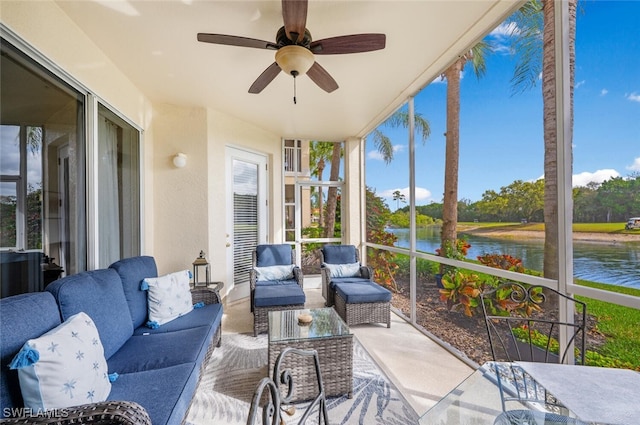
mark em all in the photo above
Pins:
pixel 42 231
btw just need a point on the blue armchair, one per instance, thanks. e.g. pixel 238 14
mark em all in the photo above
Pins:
pixel 340 255
pixel 276 283
pixel 349 288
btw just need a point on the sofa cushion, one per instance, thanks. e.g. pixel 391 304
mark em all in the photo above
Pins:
pixel 169 296
pixel 156 351
pixel 275 295
pixel 98 293
pixel 343 270
pixel 209 315
pixel 132 271
pixel 273 255
pixel 64 367
pixel 269 273
pixel 24 317
pixel 356 293
pixel 165 393
pixel 339 254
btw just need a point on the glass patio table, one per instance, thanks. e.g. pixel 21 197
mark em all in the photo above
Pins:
pixel 585 395
pixel 329 335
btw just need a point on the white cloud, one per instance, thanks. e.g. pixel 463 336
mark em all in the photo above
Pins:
pixel 634 97
pixel 422 194
pixel 598 176
pixel 378 156
pixel 375 155
pixel 604 92
pixel 500 36
pixel 505 29
pixel 580 83
pixel 635 166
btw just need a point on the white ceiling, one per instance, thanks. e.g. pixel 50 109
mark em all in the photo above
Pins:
pixel 154 44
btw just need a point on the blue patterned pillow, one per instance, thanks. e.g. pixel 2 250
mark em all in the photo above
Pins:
pixel 64 367
pixel 343 270
pixel 169 297
pixel 274 272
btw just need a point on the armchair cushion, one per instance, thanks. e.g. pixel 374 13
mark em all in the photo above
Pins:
pixel 64 367
pixel 273 255
pixel 343 270
pixel 275 295
pixel 276 282
pixel 339 254
pixel 269 273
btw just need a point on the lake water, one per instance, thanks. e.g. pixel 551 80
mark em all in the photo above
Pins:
pixel 612 263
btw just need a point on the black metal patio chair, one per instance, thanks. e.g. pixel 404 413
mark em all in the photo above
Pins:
pixel 522 325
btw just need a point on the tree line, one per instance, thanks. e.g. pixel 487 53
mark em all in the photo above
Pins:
pixel 613 200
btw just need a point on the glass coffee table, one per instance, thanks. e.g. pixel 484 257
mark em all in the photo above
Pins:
pixel 329 335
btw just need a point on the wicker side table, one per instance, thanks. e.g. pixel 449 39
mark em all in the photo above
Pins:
pixel 329 336
pixel 208 294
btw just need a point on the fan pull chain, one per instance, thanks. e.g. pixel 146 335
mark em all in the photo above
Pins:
pixel 294 73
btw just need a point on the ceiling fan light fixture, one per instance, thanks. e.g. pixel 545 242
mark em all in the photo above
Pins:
pixel 294 59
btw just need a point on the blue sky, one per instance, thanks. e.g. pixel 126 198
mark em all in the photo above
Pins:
pixel 501 134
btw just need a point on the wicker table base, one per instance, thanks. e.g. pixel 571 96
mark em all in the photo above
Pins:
pixel 329 336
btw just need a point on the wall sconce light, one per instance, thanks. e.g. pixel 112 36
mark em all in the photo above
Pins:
pixel 180 160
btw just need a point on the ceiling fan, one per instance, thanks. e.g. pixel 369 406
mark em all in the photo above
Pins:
pixel 295 50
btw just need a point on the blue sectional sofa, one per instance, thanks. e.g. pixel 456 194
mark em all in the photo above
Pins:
pixel 157 369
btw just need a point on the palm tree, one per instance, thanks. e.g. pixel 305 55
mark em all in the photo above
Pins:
pixel 332 195
pixel 383 143
pixel 551 264
pixel 476 56
pixel 534 16
pixel 319 154
pixel 398 197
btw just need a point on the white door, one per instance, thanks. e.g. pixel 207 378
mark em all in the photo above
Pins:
pixel 246 215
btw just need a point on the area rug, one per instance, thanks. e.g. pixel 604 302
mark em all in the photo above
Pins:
pixel 231 377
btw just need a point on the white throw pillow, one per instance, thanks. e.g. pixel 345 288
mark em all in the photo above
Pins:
pixel 169 297
pixel 343 270
pixel 64 367
pixel 274 272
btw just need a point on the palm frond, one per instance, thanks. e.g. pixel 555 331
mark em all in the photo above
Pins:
pixel 526 45
pixel 383 144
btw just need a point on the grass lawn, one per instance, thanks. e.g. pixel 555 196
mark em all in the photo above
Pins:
pixel 539 227
pixel 620 325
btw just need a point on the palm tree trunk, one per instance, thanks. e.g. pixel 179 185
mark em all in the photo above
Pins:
pixel 452 152
pixel 320 194
pixel 332 195
pixel 550 265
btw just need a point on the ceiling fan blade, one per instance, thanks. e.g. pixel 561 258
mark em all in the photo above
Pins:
pixel 321 77
pixel 265 78
pixel 356 43
pixel 233 40
pixel 294 15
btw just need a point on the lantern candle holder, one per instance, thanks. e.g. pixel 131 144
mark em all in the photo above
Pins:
pixel 198 264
